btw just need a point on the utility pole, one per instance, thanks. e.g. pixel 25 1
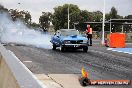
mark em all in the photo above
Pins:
pixel 103 24
pixel 19 6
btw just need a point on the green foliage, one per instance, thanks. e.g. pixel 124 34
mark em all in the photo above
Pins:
pixel 27 17
pixel 16 14
pixel 128 17
pixel 128 28
pixel 35 25
pixel 60 16
pixel 85 16
pixel 113 13
pixel 23 15
pixel 3 9
pixel 97 16
pixel 45 20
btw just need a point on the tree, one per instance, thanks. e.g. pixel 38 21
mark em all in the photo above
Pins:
pixel 23 15
pixel 85 16
pixel 128 17
pixel 3 9
pixel 34 25
pixel 128 28
pixel 113 13
pixel 15 14
pixel 74 13
pixel 60 16
pixel 27 17
pixel 97 16
pixel 45 20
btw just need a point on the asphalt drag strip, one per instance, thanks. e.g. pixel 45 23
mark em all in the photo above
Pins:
pixel 100 63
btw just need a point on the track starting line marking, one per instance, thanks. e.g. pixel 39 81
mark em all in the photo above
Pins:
pixel 122 50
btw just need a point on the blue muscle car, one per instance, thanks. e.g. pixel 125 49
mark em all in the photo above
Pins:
pixel 69 38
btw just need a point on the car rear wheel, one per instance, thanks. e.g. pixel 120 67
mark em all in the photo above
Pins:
pixel 85 49
pixel 62 48
pixel 53 47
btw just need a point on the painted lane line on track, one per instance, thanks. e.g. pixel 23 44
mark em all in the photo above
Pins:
pixel 40 83
pixel 27 61
pixel 119 50
pixel 109 54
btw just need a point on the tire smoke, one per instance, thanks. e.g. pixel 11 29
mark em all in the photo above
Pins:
pixel 17 32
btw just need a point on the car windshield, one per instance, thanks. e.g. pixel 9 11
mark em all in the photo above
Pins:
pixel 69 32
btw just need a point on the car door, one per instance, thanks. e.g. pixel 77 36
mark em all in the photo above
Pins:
pixel 53 39
pixel 58 37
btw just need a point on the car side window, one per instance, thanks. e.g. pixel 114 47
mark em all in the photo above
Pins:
pixel 54 34
pixel 58 33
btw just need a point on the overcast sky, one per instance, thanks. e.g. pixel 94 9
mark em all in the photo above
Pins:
pixel 35 7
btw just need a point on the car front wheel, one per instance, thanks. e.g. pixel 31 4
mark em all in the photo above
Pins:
pixel 53 47
pixel 62 48
pixel 85 49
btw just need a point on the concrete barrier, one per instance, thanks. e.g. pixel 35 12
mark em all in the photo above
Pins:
pixel 14 74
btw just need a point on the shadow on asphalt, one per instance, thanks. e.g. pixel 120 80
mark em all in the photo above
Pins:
pixel 70 51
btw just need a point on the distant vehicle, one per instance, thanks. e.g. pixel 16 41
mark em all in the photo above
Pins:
pixel 69 38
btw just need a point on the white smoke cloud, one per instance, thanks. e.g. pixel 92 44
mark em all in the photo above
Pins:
pixel 16 32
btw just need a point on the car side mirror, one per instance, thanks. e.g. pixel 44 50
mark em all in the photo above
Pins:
pixel 54 33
